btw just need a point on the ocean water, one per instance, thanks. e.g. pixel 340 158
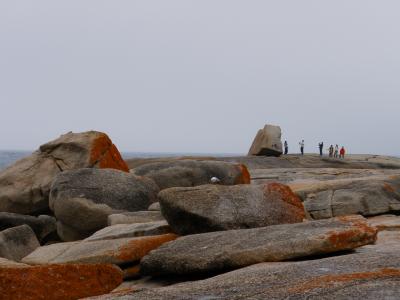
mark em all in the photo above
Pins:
pixel 9 157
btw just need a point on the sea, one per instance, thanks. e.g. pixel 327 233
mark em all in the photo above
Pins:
pixel 8 157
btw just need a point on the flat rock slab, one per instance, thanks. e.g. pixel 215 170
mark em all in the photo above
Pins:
pixel 366 196
pixel 130 230
pixel 227 250
pixel 17 242
pixel 58 281
pixel 135 217
pixel 118 251
pixel 216 207
pixel 385 222
pixel 354 276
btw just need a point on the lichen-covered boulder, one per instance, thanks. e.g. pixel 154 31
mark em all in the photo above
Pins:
pixel 58 282
pixel 216 207
pixel 267 142
pixel 25 185
pixel 83 199
pixel 186 173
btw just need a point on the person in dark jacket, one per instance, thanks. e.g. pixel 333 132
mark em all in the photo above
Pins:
pixel 286 147
pixel 321 147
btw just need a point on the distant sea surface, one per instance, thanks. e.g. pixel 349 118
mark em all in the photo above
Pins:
pixel 9 157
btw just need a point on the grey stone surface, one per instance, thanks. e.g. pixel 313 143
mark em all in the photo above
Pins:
pixel 130 230
pixel 43 226
pixel 17 242
pixel 367 196
pixel 226 250
pixel 217 207
pixel 155 206
pixel 186 173
pixel 267 142
pixel 25 185
pixel 135 217
pixel 83 199
pixel 354 276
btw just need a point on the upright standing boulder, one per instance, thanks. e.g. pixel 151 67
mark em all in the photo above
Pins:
pixel 83 199
pixel 25 185
pixel 183 173
pixel 267 142
pixel 215 207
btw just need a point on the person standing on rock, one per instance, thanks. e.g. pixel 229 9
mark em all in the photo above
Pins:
pixel 342 152
pixel 331 151
pixel 336 155
pixel 286 147
pixel 321 147
pixel 302 147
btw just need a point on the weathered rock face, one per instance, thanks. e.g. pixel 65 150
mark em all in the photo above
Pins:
pixel 135 217
pixel 233 249
pixel 117 251
pixel 267 142
pixel 354 276
pixel 43 226
pixel 367 196
pixel 25 186
pixel 187 173
pixel 58 281
pixel 130 230
pixel 215 207
pixel 17 242
pixel 83 199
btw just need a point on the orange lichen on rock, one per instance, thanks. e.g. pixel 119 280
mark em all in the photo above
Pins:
pixel 72 281
pixel 106 155
pixel 285 193
pixel 140 247
pixel 333 280
pixel 387 187
pixel 244 178
pixel 359 234
pixel 132 272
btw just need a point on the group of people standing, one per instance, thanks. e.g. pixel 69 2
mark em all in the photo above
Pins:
pixel 333 151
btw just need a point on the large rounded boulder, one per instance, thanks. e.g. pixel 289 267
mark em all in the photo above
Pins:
pixel 83 199
pixel 25 185
pixel 187 173
pixel 215 207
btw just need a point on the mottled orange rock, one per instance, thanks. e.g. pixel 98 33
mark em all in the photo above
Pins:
pixel 359 234
pixel 106 155
pixel 245 175
pixel 58 282
pixel 327 281
pixel 284 193
pixel 132 272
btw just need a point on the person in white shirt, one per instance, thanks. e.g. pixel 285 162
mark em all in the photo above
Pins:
pixel 302 147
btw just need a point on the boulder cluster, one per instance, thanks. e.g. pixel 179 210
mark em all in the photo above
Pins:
pixel 77 221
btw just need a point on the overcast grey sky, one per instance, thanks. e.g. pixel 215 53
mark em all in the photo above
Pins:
pixel 201 76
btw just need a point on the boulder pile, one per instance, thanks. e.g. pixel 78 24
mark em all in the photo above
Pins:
pixel 75 222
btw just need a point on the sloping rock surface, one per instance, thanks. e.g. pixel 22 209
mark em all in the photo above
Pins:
pixel 135 217
pixel 117 251
pixel 227 250
pixel 216 207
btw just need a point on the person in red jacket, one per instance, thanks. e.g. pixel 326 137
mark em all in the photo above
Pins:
pixel 342 152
